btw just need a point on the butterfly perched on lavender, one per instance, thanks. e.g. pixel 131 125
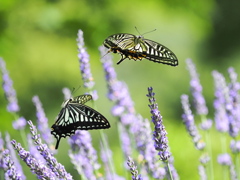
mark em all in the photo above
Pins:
pixel 75 115
pixel 137 47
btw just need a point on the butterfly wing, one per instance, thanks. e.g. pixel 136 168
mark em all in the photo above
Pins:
pixel 161 54
pixel 82 99
pixel 75 116
pixel 120 41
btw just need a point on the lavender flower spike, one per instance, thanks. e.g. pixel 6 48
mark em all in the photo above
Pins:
pixel 234 87
pixel 202 172
pixel 110 74
pixel 145 145
pixel 83 155
pixel 233 108
pixel 57 168
pixel 36 167
pixel 10 171
pixel 84 62
pixel 225 160
pixel 196 88
pixel 159 135
pixel 2 164
pixel 42 121
pixel 9 91
pixel 188 120
pixel 117 90
pixel 133 169
pixel 221 96
pixel 14 156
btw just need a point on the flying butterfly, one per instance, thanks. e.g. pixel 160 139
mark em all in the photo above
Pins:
pixel 136 48
pixel 75 115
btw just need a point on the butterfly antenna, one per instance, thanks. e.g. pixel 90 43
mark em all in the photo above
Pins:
pixel 106 54
pixel 149 31
pixel 145 32
pixel 75 89
pixel 137 30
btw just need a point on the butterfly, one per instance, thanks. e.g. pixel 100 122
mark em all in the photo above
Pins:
pixel 136 48
pixel 75 115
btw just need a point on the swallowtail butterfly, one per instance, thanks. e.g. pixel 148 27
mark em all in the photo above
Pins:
pixel 76 115
pixel 137 48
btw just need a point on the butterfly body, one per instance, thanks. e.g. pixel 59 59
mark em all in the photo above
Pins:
pixel 75 115
pixel 137 48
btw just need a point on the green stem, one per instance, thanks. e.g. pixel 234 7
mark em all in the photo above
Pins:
pixel 169 171
pixel 224 150
pixel 105 147
pixel 223 143
pixel 23 136
pixel 210 169
pixel 236 159
pixel 209 149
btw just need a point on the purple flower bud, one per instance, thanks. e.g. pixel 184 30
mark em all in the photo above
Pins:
pixel 84 62
pixel 20 123
pixel 13 156
pixel 83 155
pixel 53 165
pixel 235 146
pixel 224 159
pixel 9 91
pixel 36 167
pixel 226 111
pixel 117 110
pixel 133 169
pixel 233 173
pixel 164 155
pixel 42 121
pixel 202 172
pixel 196 88
pixel 117 90
pixel 33 149
pixel 2 164
pixel 234 103
pixel 128 119
pixel 204 159
pixel 234 86
pixel 206 125
pixel 125 141
pixel 10 170
pixel 188 120
pixel 159 135
pixel 145 145
pixel 67 93
pixel 94 94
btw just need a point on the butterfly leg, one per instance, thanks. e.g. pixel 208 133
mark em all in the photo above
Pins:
pixel 121 60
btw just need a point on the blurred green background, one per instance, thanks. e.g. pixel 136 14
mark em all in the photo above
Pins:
pixel 38 43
